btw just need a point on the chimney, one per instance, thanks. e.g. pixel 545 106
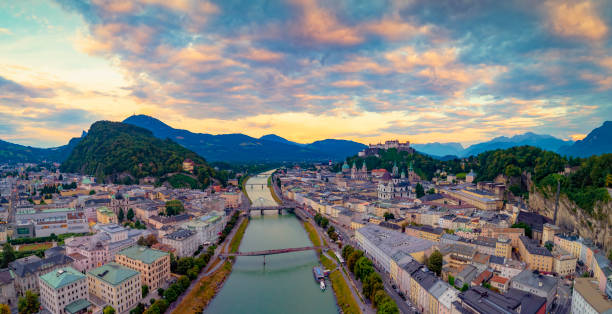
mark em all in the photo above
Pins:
pixel 540 283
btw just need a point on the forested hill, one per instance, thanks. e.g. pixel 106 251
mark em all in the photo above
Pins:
pixel 120 152
pixel 585 184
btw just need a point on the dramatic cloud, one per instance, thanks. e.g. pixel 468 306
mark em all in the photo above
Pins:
pixel 419 70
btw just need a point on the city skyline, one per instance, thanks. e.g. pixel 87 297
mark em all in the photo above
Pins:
pixel 307 70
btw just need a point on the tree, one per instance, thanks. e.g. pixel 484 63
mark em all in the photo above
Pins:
pixel 130 214
pixel 523 226
pixel 347 250
pixel 174 207
pixel 29 304
pixel 465 287
pixel 434 262
pixel 352 260
pixel 145 290
pixel 371 284
pixel 420 191
pixel 451 280
pixel 363 268
pixel 121 215
pixel 108 310
pixel 380 297
pixel 549 245
pixel 431 191
pixel 388 216
pixel 610 255
pixel 160 292
pixel 8 254
pixel 388 307
pixel 92 192
pixel 5 309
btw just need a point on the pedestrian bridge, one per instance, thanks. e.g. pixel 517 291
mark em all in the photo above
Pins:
pixel 273 252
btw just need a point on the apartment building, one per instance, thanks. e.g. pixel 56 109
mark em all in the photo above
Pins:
pixel 587 299
pixel 564 263
pixel 184 241
pixel 153 265
pixel 64 290
pixel 535 256
pixel 116 285
pixel 27 270
pixel 538 284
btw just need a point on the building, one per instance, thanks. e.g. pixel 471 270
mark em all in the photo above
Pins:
pixel 8 295
pixel 500 283
pixel 479 300
pixel 381 244
pixel 478 198
pixel 153 265
pixel 184 241
pixel 116 285
pixel 535 256
pixel 27 270
pixel 538 284
pixel 425 232
pixel 548 233
pixel 54 220
pixel 503 247
pixel 106 216
pixel 188 165
pixel 564 263
pixel 535 221
pixel 511 233
pixel 587 299
pixel 93 251
pixel 64 290
pixel 207 227
pixel 232 199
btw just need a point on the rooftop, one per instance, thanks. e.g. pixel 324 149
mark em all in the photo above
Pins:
pixel 391 241
pixel 533 279
pixel 180 234
pixel 62 277
pixel 143 254
pixel 587 288
pixel 77 306
pixel 113 273
pixel 533 248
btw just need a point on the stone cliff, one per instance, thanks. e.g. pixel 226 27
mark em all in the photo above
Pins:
pixel 571 218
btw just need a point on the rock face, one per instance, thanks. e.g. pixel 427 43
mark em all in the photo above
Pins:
pixel 570 218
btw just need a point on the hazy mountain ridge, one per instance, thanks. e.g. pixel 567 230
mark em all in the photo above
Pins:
pixel 243 148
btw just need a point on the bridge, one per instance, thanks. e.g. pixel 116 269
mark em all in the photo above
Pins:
pixel 271 252
pixel 279 209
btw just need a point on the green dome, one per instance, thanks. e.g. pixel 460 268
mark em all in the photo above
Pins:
pixel 345 166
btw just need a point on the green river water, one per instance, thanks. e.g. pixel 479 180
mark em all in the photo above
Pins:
pixel 285 284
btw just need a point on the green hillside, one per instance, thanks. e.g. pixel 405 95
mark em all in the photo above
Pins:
pixel 585 185
pixel 120 152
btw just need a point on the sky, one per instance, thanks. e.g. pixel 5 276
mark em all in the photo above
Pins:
pixel 365 70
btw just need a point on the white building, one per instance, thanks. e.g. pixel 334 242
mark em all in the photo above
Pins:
pixel 207 227
pixel 587 299
pixel 64 290
pixel 54 220
pixel 185 242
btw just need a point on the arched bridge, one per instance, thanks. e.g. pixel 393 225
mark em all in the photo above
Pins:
pixel 273 252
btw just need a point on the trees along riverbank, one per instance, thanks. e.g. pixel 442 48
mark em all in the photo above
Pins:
pixel 190 268
pixel 373 287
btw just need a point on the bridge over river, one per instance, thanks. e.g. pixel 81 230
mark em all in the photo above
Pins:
pixel 271 252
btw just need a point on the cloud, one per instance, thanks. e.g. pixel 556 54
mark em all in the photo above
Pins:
pixel 402 68
pixel 5 31
pixel 578 20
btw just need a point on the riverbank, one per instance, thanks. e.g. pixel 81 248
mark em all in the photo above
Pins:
pixel 208 286
pixel 342 291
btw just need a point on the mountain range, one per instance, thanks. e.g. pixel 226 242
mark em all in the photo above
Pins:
pixel 243 148
pixel 273 148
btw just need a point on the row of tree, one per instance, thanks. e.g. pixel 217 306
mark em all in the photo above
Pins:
pixel 373 287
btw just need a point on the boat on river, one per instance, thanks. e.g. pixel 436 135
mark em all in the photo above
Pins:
pixel 322 285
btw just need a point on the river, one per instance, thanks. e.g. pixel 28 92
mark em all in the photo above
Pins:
pixel 285 284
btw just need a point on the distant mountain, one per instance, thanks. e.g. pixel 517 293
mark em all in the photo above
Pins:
pixel 10 152
pixel 545 142
pixel 113 149
pixel 243 148
pixel 439 149
pixel 598 142
pixel 278 139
